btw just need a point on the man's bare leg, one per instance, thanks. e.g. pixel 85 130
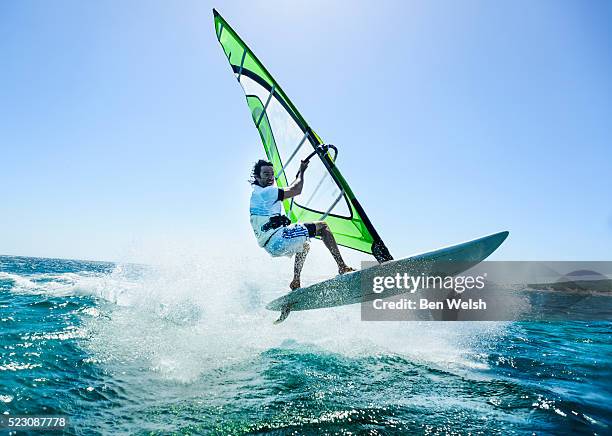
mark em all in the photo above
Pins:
pixel 300 258
pixel 330 242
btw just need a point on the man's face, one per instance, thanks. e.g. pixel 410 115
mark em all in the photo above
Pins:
pixel 266 176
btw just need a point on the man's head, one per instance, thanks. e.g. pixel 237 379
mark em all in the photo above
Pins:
pixel 263 173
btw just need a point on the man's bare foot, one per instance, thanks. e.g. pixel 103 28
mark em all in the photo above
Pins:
pixel 294 284
pixel 345 269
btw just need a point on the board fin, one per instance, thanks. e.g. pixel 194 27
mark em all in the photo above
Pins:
pixel 285 311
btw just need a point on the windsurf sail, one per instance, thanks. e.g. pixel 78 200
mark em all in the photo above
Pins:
pixel 288 139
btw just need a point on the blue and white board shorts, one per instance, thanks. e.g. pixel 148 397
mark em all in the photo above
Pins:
pixel 288 241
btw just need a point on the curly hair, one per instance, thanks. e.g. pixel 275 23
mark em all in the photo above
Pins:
pixel 256 171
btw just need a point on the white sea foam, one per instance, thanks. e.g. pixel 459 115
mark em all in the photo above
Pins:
pixel 106 286
pixel 20 283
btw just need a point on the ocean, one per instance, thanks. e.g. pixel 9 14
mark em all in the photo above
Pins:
pixel 190 349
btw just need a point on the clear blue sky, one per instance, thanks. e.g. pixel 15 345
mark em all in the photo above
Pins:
pixel 121 121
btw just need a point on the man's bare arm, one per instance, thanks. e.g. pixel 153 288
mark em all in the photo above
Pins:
pixel 296 187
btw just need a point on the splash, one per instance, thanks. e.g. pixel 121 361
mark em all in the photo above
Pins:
pixel 187 313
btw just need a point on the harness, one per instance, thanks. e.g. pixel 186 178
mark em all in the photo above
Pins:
pixel 275 222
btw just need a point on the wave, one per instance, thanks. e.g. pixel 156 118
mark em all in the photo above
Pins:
pixel 193 314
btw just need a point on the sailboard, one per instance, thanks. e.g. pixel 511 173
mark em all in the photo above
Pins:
pixel 349 288
pixel 287 140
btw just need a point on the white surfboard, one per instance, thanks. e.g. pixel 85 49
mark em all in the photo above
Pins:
pixel 347 289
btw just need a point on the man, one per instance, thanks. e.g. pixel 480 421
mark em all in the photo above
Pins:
pixel 272 228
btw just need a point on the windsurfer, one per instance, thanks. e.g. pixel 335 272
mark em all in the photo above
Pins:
pixel 272 228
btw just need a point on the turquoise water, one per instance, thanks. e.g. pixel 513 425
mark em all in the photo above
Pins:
pixel 190 349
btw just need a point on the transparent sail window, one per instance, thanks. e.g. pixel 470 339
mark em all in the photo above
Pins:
pixel 320 191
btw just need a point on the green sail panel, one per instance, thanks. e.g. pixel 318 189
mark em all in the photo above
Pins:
pixel 288 139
